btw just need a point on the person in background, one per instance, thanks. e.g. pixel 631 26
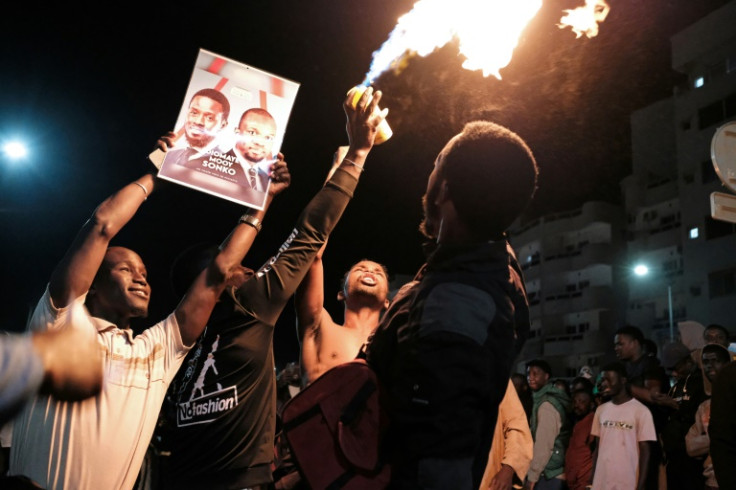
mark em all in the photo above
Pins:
pixel 512 446
pixel 646 379
pixel 551 429
pixel 683 399
pixel 697 441
pixel 624 429
pixel 579 454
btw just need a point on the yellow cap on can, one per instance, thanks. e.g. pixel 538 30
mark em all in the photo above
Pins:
pixel 384 131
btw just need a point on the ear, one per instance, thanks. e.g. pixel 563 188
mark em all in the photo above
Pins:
pixel 444 194
pixel 386 302
pixel 341 295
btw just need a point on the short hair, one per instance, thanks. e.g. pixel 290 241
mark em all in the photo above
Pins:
pixel 721 352
pixel 256 111
pixel 491 177
pixel 583 391
pixel 617 368
pixel 715 326
pixel 217 96
pixel 541 364
pixel 587 384
pixel 633 332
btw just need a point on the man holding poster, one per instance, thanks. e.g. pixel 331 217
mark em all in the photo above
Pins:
pixel 100 442
pixel 221 408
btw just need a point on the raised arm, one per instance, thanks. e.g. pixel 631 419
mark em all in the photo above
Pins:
pixel 73 276
pixel 309 298
pixel 195 308
pixel 278 279
pixel 197 304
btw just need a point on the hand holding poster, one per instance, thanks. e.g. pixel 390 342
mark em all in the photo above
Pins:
pixel 229 130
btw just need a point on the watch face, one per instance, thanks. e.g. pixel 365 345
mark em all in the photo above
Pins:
pixel 723 154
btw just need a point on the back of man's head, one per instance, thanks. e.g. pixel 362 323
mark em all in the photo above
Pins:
pixel 491 176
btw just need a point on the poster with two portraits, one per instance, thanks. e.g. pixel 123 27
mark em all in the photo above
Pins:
pixel 229 130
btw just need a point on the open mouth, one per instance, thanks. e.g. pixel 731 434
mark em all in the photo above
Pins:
pixel 368 280
pixel 140 292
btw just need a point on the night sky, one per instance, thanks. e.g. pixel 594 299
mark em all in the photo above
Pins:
pixel 91 88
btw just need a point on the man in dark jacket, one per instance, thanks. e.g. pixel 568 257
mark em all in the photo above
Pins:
pixel 445 346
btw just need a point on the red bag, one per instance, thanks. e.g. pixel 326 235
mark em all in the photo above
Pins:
pixel 335 429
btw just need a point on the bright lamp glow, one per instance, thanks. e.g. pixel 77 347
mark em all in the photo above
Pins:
pixel 15 150
pixel 641 270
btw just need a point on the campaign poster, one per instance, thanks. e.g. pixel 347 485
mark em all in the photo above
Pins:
pixel 229 130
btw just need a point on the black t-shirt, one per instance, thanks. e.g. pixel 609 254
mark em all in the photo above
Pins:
pixel 221 408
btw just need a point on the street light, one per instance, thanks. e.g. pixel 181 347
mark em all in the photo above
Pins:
pixel 642 270
pixel 15 150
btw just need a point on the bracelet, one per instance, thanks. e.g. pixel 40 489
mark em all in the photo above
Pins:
pixel 359 167
pixel 145 191
pixel 251 221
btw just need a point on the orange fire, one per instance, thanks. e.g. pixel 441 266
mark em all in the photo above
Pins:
pixel 585 20
pixel 487 31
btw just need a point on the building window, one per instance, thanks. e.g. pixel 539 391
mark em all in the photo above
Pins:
pixel 722 283
pixel 694 232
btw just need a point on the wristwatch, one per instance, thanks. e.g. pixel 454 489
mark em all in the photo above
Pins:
pixel 252 221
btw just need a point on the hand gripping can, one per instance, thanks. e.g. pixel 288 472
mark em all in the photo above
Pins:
pixel 384 130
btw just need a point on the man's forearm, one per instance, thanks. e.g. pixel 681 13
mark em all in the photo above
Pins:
pixel 73 276
pixel 326 208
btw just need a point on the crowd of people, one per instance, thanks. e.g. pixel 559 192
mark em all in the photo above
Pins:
pixel 644 422
pixel 194 401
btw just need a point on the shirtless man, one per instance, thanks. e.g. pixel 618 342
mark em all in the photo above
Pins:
pixel 325 343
